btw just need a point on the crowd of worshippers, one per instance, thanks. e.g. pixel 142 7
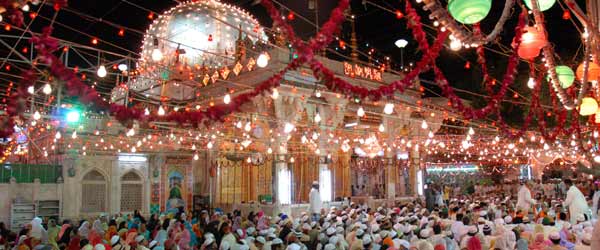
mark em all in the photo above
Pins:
pixel 479 222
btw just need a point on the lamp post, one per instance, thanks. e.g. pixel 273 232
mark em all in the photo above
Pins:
pixel 401 43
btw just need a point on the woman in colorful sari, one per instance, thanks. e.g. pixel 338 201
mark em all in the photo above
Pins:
pixel 75 239
pixel 112 230
pixel 263 223
pixel 95 235
pixel 53 231
pixel 181 236
pixel 64 236
pixel 84 229
pixel 190 231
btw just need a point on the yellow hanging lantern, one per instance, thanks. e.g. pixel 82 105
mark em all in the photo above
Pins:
pixel 589 106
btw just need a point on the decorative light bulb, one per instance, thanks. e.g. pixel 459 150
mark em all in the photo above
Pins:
pixel 424 125
pixel 47 89
pixel 471 131
pixel 275 94
pixel 531 83
pixel 292 159
pixel 37 115
pixel 388 109
pixel 196 157
pixel 31 89
pixel 25 8
pixel 156 55
pixel 161 111
pixel 122 67
pixel 209 145
pixel 58 135
pixel 288 127
pixel 133 150
pixel 318 94
pixel 247 127
pixel 360 112
pixel 430 135
pixel 455 45
pixel 130 132
pixel 381 128
pixel 269 150
pixel 101 71
pixel 74 135
pixel 227 99
pixel 317 118
pixel 146 111
pixel 262 60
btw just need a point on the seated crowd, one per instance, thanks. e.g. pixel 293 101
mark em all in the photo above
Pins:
pixel 481 221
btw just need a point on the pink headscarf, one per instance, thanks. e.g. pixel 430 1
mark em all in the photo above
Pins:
pixel 181 236
pixel 539 243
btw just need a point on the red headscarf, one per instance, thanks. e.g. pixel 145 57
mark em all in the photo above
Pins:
pixel 474 243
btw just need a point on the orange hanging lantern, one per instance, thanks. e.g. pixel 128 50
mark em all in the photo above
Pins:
pixel 593 72
pixel 532 42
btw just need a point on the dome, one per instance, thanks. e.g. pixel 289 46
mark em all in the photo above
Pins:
pixel 192 45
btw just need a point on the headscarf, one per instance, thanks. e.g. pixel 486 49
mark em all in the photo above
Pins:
pixel 97 226
pixel 53 231
pixel 84 229
pixel 522 244
pixel 112 231
pixel 539 242
pixel 131 234
pixel 473 243
pixel 161 236
pixel 37 230
pixel 184 240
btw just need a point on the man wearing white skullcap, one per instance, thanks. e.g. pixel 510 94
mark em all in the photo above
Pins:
pixel 315 201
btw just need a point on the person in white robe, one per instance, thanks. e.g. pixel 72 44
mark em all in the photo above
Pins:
pixel 315 201
pixel 524 200
pixel 575 201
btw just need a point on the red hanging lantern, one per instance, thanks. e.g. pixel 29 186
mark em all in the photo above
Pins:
pixel 210 38
pixel 532 42
pixel 121 32
pixel 291 16
pixel 468 65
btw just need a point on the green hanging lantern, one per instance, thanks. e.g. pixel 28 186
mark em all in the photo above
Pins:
pixel 566 76
pixel 469 11
pixel 542 4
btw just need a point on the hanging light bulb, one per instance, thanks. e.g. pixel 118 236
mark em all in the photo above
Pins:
pixel 292 159
pixel 156 55
pixel 31 89
pixel 381 127
pixel 37 115
pixel 161 111
pixel 209 145
pixel 269 150
pixel 388 109
pixel 101 71
pixel 247 127
pixel 531 83
pixel 74 135
pixel 275 94
pixel 455 45
pixel 196 157
pixel 262 60
pixel 317 118
pixel 430 135
pixel 47 89
pixel 58 135
pixel 318 94
pixel 360 112
pixel 471 131
pixel 227 99
pixel 146 111
pixel 288 127
pixel 238 124
pixel 424 125
pixel 133 150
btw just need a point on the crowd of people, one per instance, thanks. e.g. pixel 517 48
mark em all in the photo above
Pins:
pixel 481 221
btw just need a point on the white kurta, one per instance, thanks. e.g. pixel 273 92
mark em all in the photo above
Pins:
pixel 524 201
pixel 576 202
pixel 595 199
pixel 315 201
